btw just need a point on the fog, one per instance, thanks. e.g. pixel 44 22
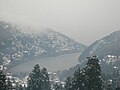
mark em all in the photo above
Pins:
pixel 83 20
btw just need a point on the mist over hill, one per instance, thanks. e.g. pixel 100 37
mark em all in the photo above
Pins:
pixel 17 46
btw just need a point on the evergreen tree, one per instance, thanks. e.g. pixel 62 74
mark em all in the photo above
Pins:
pixel 93 74
pixel 88 78
pixel 57 87
pixel 2 80
pixel 39 79
pixel 46 82
pixel 68 85
pixel 35 79
pixel 79 80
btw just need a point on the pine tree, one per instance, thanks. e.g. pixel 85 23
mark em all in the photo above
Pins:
pixel 2 80
pixel 68 85
pixel 39 79
pixel 46 81
pixel 35 79
pixel 79 80
pixel 57 87
pixel 93 74
pixel 88 78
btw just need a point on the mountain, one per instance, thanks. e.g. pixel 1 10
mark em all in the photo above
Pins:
pixel 109 45
pixel 106 49
pixel 17 46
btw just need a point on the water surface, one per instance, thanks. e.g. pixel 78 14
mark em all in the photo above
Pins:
pixel 51 63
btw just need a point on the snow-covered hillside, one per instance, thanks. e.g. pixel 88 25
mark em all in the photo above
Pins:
pixel 109 45
pixel 16 46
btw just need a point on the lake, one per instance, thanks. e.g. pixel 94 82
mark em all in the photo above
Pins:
pixel 51 63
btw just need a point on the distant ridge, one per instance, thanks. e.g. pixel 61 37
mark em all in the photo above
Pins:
pixel 109 45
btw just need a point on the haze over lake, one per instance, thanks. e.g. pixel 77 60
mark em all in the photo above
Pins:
pixel 51 63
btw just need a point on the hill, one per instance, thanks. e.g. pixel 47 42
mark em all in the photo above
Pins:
pixel 106 49
pixel 17 46
pixel 109 45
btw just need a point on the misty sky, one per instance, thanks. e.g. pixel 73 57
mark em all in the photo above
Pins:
pixel 83 20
